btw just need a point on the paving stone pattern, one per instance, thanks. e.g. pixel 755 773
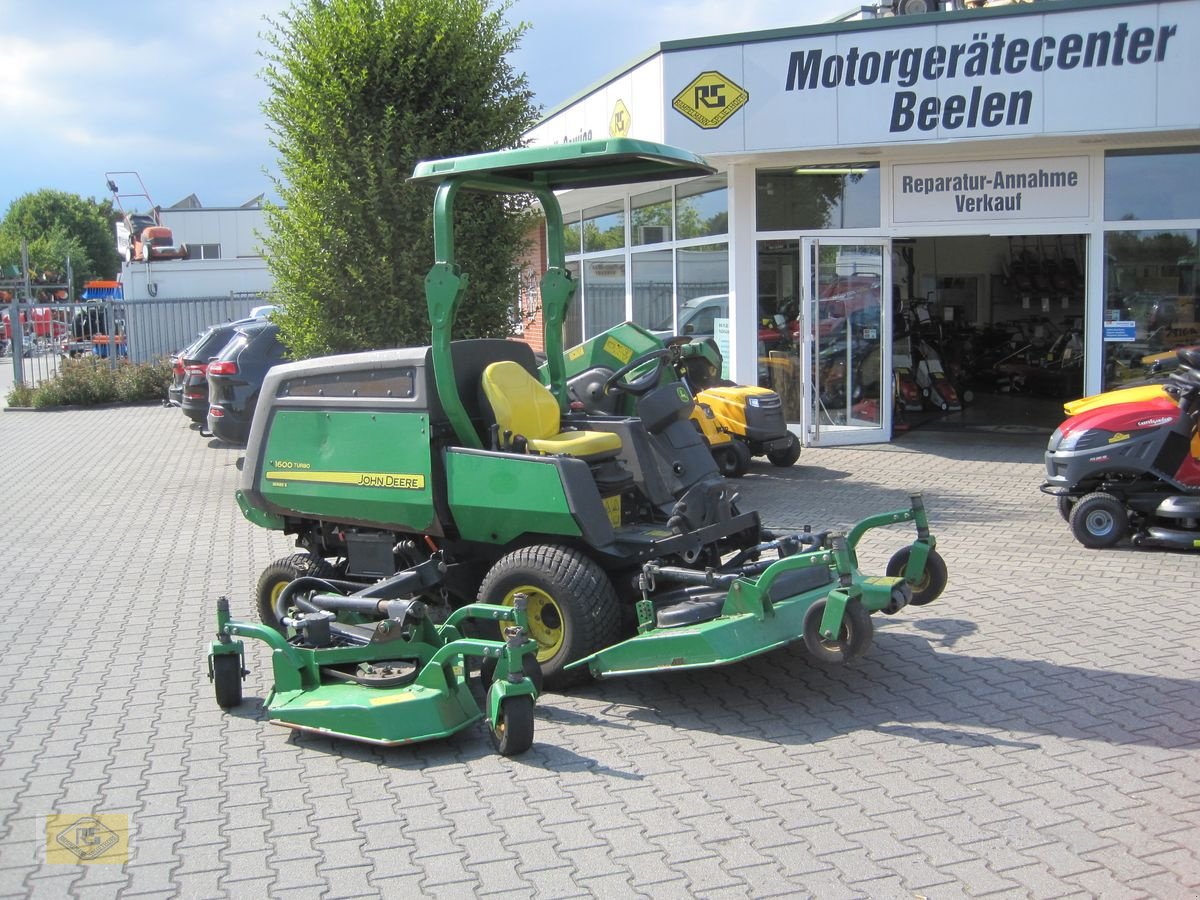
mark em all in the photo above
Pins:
pixel 1036 732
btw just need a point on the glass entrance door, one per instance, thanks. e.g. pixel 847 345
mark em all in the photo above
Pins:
pixel 846 341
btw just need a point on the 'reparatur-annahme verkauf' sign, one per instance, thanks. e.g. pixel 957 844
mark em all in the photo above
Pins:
pixel 986 190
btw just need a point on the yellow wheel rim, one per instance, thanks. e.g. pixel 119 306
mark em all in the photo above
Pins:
pixel 276 590
pixel 545 619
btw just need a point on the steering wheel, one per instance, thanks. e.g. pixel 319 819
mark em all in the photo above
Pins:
pixel 643 383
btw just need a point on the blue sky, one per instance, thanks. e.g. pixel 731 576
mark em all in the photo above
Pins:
pixel 98 87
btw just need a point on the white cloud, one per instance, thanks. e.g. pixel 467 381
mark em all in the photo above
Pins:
pixel 701 18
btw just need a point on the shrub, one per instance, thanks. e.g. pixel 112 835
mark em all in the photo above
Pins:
pixel 91 381
pixel 20 395
pixel 145 381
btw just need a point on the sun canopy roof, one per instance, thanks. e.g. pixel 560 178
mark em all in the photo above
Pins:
pixel 559 167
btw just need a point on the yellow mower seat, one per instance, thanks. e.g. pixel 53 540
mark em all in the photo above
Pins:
pixel 523 406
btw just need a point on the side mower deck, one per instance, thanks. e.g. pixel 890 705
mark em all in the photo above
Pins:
pixel 818 596
pixel 407 683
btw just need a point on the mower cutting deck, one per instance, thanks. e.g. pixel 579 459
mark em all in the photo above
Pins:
pixel 399 681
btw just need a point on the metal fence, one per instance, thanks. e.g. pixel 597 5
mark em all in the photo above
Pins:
pixel 134 330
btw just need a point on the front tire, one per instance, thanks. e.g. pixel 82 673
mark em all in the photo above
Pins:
pixel 1065 504
pixel 1099 520
pixel 572 605
pixel 278 575
pixel 788 455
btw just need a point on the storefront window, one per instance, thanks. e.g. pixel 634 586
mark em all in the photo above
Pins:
pixel 702 289
pixel 651 217
pixel 652 290
pixel 604 227
pixel 778 313
pixel 662 280
pixel 603 293
pixel 571 234
pixel 1152 305
pixel 1151 184
pixel 817 197
pixel 702 208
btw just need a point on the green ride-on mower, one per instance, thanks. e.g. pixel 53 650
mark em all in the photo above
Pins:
pixel 449 478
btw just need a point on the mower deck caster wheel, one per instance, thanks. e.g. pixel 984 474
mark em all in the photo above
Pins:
pixel 529 666
pixel 513 732
pixel 1099 520
pixel 933 579
pixel 227 679
pixel 852 641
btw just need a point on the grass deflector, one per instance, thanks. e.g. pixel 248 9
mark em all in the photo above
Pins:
pixel 433 488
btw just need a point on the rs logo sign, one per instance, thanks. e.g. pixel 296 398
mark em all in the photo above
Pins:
pixel 710 99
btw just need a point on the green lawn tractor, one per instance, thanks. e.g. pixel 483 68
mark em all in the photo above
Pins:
pixel 628 546
pixel 737 421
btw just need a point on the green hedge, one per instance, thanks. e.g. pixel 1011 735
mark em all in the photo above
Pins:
pixel 91 381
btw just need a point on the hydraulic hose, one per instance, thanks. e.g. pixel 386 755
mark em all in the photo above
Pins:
pixel 311 582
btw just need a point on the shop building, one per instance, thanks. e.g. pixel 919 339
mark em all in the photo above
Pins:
pixel 968 215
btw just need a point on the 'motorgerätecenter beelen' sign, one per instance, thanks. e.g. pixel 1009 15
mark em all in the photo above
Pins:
pixel 1098 70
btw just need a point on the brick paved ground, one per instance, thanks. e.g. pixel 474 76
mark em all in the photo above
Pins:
pixel 1034 733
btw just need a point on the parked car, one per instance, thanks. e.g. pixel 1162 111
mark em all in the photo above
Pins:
pixel 194 395
pixel 178 372
pixel 236 376
pixel 697 320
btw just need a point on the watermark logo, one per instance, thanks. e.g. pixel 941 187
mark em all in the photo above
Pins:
pixel 92 839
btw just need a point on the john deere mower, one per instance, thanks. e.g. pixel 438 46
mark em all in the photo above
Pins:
pixel 455 461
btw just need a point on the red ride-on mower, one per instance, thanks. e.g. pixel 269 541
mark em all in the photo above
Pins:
pixel 1132 469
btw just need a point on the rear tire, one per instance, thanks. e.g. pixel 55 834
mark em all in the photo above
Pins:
pixel 278 575
pixel 573 607
pixel 733 459
pixel 788 455
pixel 1099 520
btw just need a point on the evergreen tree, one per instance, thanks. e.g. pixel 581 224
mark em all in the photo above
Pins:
pixel 361 90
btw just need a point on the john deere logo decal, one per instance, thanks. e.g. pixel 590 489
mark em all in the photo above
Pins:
pixel 710 99
pixel 618 125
